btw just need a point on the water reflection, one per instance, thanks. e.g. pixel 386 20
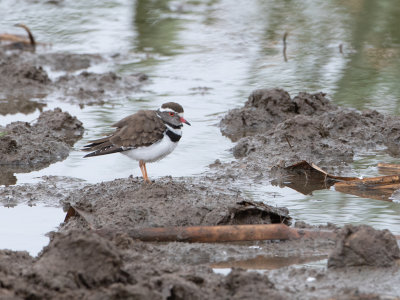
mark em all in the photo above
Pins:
pixel 372 68
pixel 262 262
pixel 156 30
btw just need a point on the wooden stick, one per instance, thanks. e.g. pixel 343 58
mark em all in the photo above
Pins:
pixel 380 180
pixel 389 166
pixel 224 233
pixel 389 169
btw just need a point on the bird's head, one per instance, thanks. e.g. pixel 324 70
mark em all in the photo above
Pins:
pixel 172 114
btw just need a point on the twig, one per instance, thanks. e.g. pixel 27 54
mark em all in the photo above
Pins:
pixel 284 46
pixel 287 140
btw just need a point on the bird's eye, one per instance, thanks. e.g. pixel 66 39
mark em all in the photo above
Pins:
pixel 171 114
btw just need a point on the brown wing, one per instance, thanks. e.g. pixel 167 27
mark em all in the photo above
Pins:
pixel 140 129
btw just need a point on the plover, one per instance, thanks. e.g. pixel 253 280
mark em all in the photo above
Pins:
pixel 146 136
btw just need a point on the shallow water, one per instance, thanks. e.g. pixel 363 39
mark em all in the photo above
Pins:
pixel 209 56
pixel 23 227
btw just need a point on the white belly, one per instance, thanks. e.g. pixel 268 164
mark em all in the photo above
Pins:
pixel 154 152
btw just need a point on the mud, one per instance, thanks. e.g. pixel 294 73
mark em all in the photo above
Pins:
pixel 27 146
pixel 79 263
pixel 127 203
pixel 49 191
pixel 363 245
pixel 90 88
pixel 274 130
pixel 26 77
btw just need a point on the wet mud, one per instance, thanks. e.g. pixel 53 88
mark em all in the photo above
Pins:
pixel 275 130
pixel 31 78
pixel 128 203
pixel 33 146
pixel 80 262
pixel 364 246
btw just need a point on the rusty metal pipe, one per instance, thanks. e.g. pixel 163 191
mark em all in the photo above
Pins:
pixel 224 233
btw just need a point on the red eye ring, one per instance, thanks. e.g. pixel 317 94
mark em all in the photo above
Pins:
pixel 171 114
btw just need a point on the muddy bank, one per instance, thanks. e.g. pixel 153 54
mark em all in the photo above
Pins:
pixel 273 129
pixel 27 146
pixel 78 263
pixel 26 77
pixel 128 203
pixel 82 265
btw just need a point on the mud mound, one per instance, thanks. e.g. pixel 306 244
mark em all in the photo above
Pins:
pixel 19 78
pixel 84 265
pixel 244 285
pixel 33 146
pixel 128 203
pixel 23 77
pixel 90 88
pixel 12 266
pixel 79 259
pixel 279 131
pixel 364 246
pixel 68 62
pixel 266 108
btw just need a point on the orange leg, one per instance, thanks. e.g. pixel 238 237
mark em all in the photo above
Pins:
pixel 142 166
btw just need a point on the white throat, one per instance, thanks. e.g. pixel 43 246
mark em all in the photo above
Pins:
pixel 176 131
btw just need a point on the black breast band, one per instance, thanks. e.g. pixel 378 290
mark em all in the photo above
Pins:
pixel 173 136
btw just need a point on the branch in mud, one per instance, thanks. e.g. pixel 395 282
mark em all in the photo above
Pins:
pixel 379 188
pixel 217 234
pixel 18 42
pixel 389 169
pixel 307 177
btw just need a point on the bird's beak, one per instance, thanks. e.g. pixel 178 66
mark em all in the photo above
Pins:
pixel 184 121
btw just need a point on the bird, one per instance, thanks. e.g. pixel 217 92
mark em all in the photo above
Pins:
pixel 146 136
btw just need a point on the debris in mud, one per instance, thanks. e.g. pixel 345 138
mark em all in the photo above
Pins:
pixel 17 42
pixel 379 188
pixel 251 212
pixel 389 169
pixel 364 246
pixel 217 234
pixel 306 177
pixel 274 130
pixel 28 146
